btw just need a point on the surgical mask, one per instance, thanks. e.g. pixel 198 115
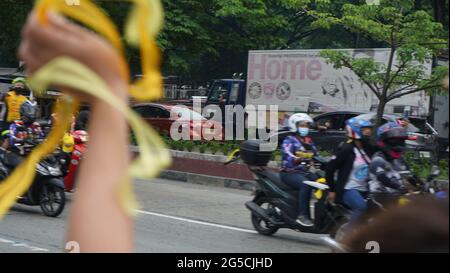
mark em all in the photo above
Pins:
pixel 303 131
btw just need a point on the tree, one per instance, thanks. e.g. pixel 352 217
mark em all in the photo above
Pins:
pixel 12 16
pixel 211 38
pixel 206 39
pixel 413 38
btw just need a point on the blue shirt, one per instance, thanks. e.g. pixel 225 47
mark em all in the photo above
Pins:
pixel 291 145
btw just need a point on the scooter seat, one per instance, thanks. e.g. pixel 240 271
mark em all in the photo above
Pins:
pixel 276 179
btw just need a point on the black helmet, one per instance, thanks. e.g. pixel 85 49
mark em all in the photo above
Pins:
pixel 28 111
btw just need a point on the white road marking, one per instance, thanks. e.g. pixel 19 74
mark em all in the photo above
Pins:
pixel 23 245
pixel 196 222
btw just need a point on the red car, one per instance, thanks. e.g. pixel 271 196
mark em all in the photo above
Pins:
pixel 162 116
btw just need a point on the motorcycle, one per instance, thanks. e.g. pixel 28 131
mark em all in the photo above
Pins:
pixel 47 190
pixel 275 203
pixel 377 205
pixel 71 167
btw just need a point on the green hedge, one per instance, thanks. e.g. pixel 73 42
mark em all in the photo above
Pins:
pixel 420 166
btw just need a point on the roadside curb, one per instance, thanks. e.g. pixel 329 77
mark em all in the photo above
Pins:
pixel 215 181
pixel 202 179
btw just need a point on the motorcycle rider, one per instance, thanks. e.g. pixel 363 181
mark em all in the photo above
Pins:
pixel 294 170
pixel 388 162
pixel 14 99
pixel 27 127
pixel 4 149
pixel 352 163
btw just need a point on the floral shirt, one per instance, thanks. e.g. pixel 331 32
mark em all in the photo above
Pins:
pixel 292 145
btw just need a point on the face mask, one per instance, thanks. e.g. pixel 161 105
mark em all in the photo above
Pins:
pixel 20 90
pixel 303 131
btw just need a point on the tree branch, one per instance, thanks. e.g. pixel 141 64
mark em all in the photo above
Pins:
pixel 390 64
pixel 372 88
pixel 413 91
pixel 300 36
pixel 232 25
pixel 400 69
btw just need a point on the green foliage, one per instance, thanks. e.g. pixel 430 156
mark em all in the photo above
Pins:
pixel 189 146
pixel 413 37
pixel 206 39
pixel 13 14
pixel 422 166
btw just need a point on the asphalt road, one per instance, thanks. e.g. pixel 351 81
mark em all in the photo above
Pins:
pixel 175 218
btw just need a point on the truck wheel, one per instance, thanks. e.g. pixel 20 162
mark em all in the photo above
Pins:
pixel 52 200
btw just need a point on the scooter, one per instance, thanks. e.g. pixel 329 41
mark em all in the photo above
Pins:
pixel 71 167
pixel 275 204
pixel 377 205
pixel 47 190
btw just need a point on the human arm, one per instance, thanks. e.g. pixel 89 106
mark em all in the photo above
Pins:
pixel 379 168
pixel 97 221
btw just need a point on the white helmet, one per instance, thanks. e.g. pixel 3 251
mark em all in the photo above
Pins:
pixel 299 118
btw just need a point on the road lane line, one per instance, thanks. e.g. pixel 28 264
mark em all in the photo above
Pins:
pixel 196 222
pixel 23 245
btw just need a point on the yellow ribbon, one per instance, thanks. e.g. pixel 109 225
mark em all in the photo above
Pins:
pixel 143 25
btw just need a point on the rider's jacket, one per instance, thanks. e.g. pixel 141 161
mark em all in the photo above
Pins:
pixel 13 102
pixel 292 145
pixel 19 132
pixel 385 176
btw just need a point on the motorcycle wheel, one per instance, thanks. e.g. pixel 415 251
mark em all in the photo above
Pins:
pixel 339 231
pixel 52 200
pixel 261 226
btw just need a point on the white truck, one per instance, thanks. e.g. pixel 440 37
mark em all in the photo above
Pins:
pixel 302 81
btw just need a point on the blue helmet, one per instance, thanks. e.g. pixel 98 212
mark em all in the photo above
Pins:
pixel 354 127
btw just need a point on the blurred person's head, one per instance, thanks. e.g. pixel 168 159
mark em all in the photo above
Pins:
pixel 418 227
pixel 19 86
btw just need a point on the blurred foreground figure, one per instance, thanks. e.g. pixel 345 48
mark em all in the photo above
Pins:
pixel 419 227
pixel 97 222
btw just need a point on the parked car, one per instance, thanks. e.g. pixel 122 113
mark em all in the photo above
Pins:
pixel 162 116
pixel 329 131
